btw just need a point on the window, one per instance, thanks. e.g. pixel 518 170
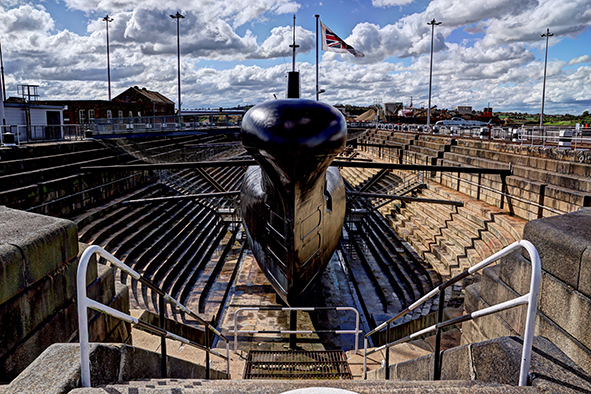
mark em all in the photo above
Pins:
pixel 130 114
pixel 81 116
pixel 139 114
pixel 120 113
pixel 91 114
pixel 109 114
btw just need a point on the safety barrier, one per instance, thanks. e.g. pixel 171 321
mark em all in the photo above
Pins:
pixel 530 298
pixel 292 320
pixel 84 303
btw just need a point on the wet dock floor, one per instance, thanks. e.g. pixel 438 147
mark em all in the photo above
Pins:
pixel 252 289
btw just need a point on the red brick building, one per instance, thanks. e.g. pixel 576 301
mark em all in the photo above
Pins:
pixel 149 103
pixel 134 102
pixel 87 111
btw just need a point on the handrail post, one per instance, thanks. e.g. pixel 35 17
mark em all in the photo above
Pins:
pixel 207 353
pixel 364 358
pixel 293 326
pixel 532 308
pixel 83 316
pixel 163 367
pixel 437 354
pixel 387 370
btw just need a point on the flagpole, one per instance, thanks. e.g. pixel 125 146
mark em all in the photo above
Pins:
pixel 317 42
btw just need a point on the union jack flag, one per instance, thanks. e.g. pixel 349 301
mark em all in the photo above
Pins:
pixel 332 42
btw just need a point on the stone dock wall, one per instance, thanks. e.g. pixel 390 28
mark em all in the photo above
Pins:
pixel 38 265
pixel 564 245
pixel 545 182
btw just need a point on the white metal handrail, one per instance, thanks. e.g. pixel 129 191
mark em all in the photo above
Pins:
pixel 84 303
pixel 530 298
pixel 356 331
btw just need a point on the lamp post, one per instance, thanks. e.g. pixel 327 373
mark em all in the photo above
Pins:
pixel 3 97
pixel 433 23
pixel 547 35
pixel 178 17
pixel 108 19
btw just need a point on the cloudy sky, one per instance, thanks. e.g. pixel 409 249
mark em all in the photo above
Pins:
pixel 237 52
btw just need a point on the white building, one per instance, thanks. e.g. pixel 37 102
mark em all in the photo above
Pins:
pixel 464 109
pixel 32 122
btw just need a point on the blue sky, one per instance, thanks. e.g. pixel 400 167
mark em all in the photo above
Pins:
pixel 236 53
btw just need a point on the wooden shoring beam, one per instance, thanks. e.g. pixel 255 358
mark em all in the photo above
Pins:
pixel 407 199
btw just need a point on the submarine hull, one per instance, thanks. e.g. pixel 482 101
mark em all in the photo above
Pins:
pixel 293 203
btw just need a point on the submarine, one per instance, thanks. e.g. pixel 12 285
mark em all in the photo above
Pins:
pixel 293 203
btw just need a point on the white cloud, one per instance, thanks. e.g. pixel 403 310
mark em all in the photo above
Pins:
pixel 564 18
pixel 389 3
pixel 580 59
pixel 498 65
pixel 24 20
pixel 277 44
pixel 239 12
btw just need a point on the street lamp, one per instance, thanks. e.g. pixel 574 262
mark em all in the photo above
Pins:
pixel 178 17
pixel 433 24
pixel 108 19
pixel 547 35
pixel 2 69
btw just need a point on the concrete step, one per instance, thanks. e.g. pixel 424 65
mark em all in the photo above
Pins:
pixel 191 386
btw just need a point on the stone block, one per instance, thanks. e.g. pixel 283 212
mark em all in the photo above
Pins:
pixel 566 307
pixel 456 364
pixel 418 369
pixel 495 361
pixel 57 370
pixel 499 361
pixel 20 315
pixel 12 274
pixel 44 243
pixel 62 326
pixel 559 258
pixel 493 292
pixel 515 271
pixel 570 346
pixel 485 327
pixel 471 333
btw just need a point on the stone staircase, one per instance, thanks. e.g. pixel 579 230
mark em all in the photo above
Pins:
pixel 455 238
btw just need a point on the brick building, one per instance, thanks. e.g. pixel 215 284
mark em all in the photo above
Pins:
pixel 149 103
pixel 86 111
pixel 134 102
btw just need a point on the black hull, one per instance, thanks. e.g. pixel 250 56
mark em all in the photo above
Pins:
pixel 293 204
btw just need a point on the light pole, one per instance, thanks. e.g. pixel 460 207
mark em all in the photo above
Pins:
pixel 547 35
pixel 178 17
pixel 433 24
pixel 2 69
pixel 108 19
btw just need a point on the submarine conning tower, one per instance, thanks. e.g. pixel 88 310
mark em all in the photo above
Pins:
pixel 293 205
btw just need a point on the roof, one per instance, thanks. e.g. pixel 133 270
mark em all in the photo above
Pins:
pixel 150 95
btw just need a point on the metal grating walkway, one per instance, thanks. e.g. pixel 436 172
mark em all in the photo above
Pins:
pixel 326 364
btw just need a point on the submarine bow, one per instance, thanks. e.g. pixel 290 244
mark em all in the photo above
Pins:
pixel 293 203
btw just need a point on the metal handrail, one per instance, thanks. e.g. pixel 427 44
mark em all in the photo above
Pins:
pixel 507 195
pixel 356 331
pixel 530 298
pixel 84 303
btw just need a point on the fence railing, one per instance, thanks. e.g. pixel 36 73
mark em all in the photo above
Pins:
pixel 294 331
pixel 563 137
pixel 84 303
pixel 384 153
pixel 18 134
pixel 530 298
